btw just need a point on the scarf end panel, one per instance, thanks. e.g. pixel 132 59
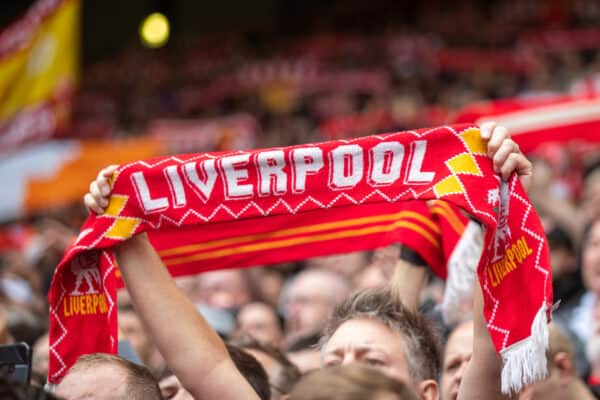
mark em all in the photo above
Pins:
pixel 525 362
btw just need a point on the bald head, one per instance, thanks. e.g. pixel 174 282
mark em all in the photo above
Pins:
pixel 310 298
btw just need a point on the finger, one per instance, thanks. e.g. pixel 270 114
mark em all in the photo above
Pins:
pixel 108 171
pixel 90 203
pixel 507 148
pixel 485 129
pixel 517 162
pixel 499 135
pixel 96 194
pixel 103 179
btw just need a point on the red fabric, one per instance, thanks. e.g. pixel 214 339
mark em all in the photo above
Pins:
pixel 533 121
pixel 355 200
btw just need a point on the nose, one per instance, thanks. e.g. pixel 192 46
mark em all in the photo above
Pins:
pixel 349 358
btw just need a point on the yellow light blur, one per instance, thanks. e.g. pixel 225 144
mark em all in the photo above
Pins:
pixel 154 30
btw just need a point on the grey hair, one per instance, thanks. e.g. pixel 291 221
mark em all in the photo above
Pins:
pixel 423 349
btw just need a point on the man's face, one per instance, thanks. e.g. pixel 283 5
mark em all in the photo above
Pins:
pixel 222 289
pixel 591 259
pixel 171 389
pixel 260 322
pixel 102 382
pixel 308 306
pixel 369 342
pixel 457 354
pixel 133 330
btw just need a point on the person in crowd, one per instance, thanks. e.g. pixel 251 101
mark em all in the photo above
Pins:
pixel 107 377
pixel 199 357
pixel 225 289
pixel 566 276
pixel 562 382
pixel 283 375
pixel 457 354
pixel 344 264
pixel 260 321
pixel 309 299
pixel 578 315
pixel 353 382
pixel 374 328
pixel 131 328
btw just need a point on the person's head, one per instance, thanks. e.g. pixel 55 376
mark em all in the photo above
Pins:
pixel 309 300
pixel 281 372
pixel 562 382
pixel 104 376
pixel 228 289
pixel 562 252
pixel 132 328
pixel 457 353
pixel 346 264
pixel 590 256
pixel 260 321
pixel 351 382
pixel 591 191
pixel 374 328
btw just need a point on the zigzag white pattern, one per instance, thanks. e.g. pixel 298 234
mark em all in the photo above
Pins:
pixel 164 220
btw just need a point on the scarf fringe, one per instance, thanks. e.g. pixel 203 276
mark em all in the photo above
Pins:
pixel 525 362
pixel 462 267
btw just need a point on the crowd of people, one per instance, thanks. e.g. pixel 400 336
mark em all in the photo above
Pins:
pixel 371 318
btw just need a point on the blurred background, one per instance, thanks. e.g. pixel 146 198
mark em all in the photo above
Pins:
pixel 87 84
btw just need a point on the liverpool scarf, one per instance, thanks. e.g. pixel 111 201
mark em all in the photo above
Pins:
pixel 213 211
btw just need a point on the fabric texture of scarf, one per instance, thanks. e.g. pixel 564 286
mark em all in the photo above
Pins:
pixel 214 211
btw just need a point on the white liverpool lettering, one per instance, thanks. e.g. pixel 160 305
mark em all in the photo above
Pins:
pixel 415 175
pixel 176 187
pixel 234 171
pixel 346 168
pixel 149 205
pixel 202 186
pixel 271 177
pixel 305 161
pixel 386 163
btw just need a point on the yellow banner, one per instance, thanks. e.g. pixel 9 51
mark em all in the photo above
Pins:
pixel 39 57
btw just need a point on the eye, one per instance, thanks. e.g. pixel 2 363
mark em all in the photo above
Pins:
pixel 332 362
pixel 451 366
pixel 374 362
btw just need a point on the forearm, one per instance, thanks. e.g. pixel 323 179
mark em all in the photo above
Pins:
pixel 190 346
pixel 482 376
pixel 407 283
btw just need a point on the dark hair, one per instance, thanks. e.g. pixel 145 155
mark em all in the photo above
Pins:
pixel 19 391
pixel 350 382
pixel 423 351
pixel 141 384
pixel 287 375
pixel 251 369
pixel 591 169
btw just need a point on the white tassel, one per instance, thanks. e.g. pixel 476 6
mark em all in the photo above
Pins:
pixel 462 266
pixel 525 362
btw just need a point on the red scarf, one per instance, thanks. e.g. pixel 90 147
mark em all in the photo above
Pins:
pixel 213 211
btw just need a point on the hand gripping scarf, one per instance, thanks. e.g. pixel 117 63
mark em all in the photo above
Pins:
pixel 213 211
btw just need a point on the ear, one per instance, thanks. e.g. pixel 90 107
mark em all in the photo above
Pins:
pixel 564 365
pixel 428 390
